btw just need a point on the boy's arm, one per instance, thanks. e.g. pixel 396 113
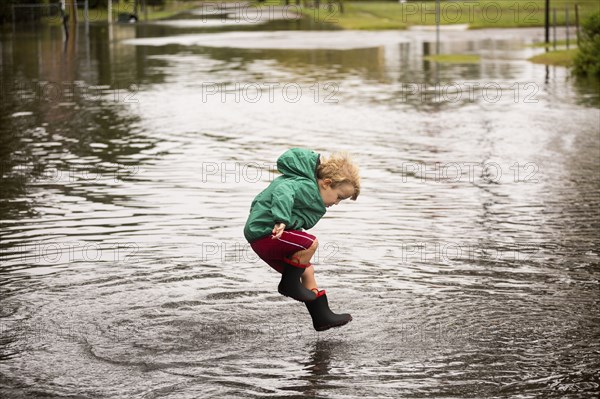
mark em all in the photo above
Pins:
pixel 282 201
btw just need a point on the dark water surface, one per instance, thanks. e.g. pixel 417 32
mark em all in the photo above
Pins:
pixel 470 261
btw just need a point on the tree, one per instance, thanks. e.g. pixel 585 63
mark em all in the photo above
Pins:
pixel 21 14
pixel 587 59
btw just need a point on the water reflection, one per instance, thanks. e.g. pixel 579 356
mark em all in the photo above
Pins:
pixel 65 114
pixel 319 367
pixel 320 357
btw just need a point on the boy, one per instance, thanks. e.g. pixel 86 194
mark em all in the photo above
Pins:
pixel 293 202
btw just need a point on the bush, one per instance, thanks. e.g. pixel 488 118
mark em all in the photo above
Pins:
pixel 587 59
pixel 21 14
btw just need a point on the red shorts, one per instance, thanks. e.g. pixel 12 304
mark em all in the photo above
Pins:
pixel 277 251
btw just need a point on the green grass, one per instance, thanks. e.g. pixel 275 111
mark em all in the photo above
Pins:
pixel 559 43
pixel 480 14
pixel 559 58
pixel 454 58
pixel 154 13
pixel 170 10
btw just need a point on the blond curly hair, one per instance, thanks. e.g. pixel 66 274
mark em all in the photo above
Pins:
pixel 340 168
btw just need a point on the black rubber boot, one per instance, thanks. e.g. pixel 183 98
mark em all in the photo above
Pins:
pixel 290 285
pixel 323 318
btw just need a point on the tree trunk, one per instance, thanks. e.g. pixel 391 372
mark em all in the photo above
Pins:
pixel 72 14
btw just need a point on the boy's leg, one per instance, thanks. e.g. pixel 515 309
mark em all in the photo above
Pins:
pixel 308 279
pixel 304 256
pixel 323 318
pixel 282 254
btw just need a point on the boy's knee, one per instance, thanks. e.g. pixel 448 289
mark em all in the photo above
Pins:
pixel 314 245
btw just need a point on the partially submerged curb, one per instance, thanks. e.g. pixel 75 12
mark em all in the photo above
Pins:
pixel 454 27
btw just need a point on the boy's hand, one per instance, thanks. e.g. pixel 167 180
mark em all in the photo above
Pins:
pixel 278 230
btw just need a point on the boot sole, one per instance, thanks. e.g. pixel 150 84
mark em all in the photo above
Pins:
pixel 327 327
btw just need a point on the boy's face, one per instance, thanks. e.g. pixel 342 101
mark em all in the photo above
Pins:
pixel 333 196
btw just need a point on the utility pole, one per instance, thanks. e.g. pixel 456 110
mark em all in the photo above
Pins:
pixel 547 21
pixel 577 22
pixel 437 27
pixel 86 16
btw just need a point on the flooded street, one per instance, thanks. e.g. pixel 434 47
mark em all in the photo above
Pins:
pixel 470 262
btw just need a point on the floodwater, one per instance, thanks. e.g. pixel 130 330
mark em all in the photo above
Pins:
pixel 470 261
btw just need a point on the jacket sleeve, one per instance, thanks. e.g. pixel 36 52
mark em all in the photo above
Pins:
pixel 282 201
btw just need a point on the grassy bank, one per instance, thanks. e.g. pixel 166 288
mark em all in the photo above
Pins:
pixel 558 58
pixel 481 14
pixel 153 13
pixel 559 43
pixel 454 58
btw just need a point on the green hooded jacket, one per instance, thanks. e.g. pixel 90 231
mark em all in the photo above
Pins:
pixel 292 198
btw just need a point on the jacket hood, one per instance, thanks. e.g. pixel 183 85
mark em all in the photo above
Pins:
pixel 299 162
